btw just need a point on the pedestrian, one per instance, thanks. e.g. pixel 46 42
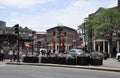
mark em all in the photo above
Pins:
pixel 15 55
pixel 21 54
pixel 11 54
pixel 2 54
pixel 49 52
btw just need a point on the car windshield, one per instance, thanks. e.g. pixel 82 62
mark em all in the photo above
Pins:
pixel 79 50
pixel 76 51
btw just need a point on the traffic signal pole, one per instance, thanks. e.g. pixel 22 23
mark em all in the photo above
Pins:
pixel 18 58
pixel 17 33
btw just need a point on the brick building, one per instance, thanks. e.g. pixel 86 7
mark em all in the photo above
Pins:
pixel 56 35
pixel 41 39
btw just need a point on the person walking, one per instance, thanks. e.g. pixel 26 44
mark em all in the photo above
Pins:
pixel 15 55
pixel 2 54
pixel 11 54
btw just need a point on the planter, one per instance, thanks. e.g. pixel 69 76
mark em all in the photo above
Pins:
pixel 44 60
pixel 49 59
pixel 96 62
pixel 30 59
pixel 83 60
pixel 71 61
pixel 61 60
pixel 54 60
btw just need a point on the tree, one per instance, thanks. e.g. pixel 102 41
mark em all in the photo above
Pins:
pixel 103 26
pixel 107 22
pixel 88 27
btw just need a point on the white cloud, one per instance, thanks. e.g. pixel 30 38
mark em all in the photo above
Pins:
pixel 71 16
pixel 22 3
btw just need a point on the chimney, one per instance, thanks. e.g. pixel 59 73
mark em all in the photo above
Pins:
pixel 118 3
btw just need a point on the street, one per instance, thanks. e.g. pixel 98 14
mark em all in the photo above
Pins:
pixel 22 71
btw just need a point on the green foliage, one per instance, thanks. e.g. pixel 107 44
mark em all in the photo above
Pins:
pixel 102 25
pixel 96 55
pixel 106 22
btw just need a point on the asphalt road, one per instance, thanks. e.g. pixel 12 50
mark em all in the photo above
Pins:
pixel 21 71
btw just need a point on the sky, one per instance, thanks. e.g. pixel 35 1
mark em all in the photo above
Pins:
pixel 40 15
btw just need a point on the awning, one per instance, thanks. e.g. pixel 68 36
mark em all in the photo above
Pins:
pixel 82 46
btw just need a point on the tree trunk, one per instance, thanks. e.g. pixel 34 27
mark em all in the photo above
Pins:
pixel 111 46
pixel 90 47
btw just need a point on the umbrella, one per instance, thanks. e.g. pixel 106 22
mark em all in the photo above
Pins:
pixel 82 46
pixel 27 46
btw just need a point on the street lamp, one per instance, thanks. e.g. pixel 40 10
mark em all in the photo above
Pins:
pixel 47 47
pixel 32 41
pixel 84 34
pixel 31 36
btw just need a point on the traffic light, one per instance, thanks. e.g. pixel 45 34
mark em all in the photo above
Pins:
pixel 16 28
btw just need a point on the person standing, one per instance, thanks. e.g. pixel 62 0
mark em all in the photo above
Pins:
pixel 15 53
pixel 2 54
pixel 11 55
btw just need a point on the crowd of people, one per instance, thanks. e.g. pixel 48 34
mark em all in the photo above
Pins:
pixel 12 54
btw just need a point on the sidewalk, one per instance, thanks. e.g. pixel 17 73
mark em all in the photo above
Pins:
pixel 110 64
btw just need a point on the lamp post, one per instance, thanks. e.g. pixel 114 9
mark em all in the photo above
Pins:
pixel 32 41
pixel 31 37
pixel 84 34
pixel 47 47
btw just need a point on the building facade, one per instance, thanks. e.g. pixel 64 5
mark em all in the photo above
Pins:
pixel 41 40
pixel 2 24
pixel 8 37
pixel 62 35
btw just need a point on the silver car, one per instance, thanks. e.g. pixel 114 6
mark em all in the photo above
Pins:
pixel 76 51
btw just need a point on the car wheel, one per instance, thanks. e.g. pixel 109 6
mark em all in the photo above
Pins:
pixel 105 58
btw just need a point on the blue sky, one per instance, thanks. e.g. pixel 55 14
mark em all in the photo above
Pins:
pixel 41 15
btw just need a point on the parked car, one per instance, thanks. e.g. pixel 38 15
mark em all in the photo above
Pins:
pixel 118 56
pixel 104 55
pixel 76 51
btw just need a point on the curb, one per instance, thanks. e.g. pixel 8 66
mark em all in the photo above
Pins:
pixel 69 66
